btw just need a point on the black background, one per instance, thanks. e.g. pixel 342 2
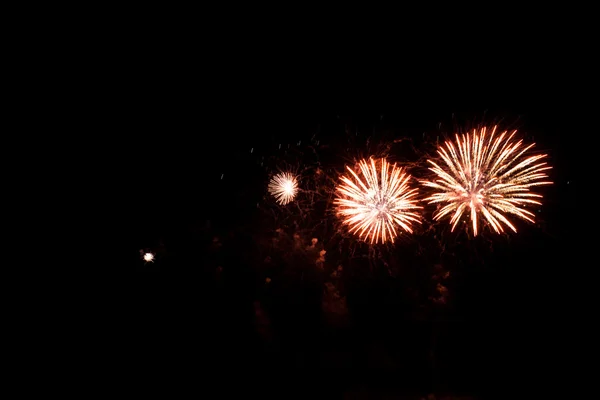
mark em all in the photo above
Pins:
pixel 176 127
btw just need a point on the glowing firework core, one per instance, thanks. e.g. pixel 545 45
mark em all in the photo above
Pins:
pixel 486 175
pixel 374 205
pixel 283 187
pixel 148 257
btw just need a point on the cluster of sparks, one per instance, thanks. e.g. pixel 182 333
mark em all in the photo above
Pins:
pixel 283 187
pixel 489 175
pixel 375 204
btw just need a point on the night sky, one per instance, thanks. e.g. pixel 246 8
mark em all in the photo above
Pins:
pixel 193 190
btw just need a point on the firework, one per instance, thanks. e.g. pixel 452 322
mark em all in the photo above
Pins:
pixel 283 187
pixel 375 204
pixel 487 175
pixel 148 257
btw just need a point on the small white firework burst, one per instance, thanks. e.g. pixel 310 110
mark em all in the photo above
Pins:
pixel 283 187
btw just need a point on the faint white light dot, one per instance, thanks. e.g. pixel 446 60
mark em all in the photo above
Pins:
pixel 279 146
pixel 149 257
pixel 252 150
pixel 222 175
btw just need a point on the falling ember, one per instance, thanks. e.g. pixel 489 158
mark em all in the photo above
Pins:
pixel 148 257
pixel 376 202
pixel 283 187
pixel 489 175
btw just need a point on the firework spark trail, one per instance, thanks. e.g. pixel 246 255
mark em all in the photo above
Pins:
pixel 376 204
pixel 486 174
pixel 283 187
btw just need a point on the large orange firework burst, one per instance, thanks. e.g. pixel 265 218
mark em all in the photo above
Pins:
pixel 489 175
pixel 283 187
pixel 375 204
